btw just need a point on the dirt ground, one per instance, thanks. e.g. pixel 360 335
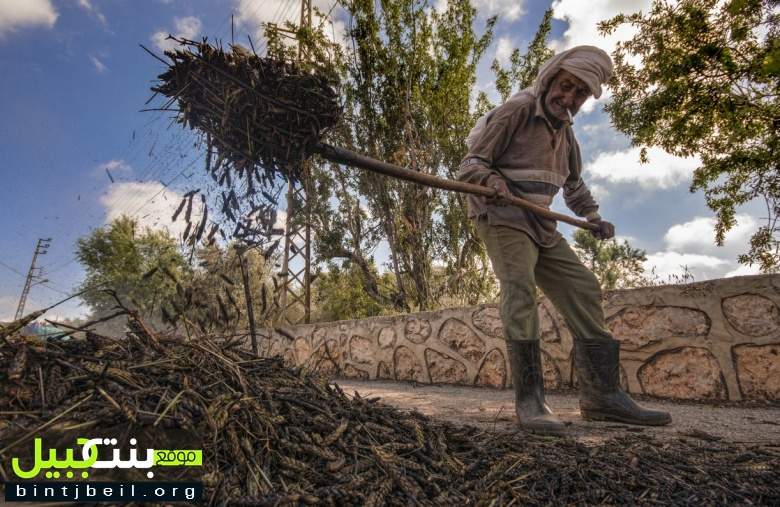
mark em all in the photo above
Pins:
pixel 493 409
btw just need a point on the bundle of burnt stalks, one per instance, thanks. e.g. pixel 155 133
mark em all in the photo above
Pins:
pixel 261 116
pixel 278 435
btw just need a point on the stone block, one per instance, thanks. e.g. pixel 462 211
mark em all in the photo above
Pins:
pixel 326 366
pixel 488 321
pixel 758 370
pixel 550 371
pixel 460 338
pixel 383 371
pixel 352 372
pixel 444 369
pixel 638 327
pixel 386 337
pixel 751 314
pixel 275 349
pixel 417 330
pixel 301 349
pixel 548 329
pixel 407 366
pixel 493 370
pixel 361 350
pixel 684 373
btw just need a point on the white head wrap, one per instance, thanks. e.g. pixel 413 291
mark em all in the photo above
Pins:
pixel 588 63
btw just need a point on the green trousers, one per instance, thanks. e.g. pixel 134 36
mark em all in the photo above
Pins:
pixel 520 265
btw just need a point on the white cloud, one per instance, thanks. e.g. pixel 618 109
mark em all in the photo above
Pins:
pixel 504 49
pixel 583 18
pixel 507 10
pixel 630 239
pixel 253 16
pixel 698 235
pixel 744 270
pixel 150 203
pixel 99 66
pixel 15 14
pixel 590 104
pixel 599 192
pixel 92 10
pixel 337 33
pixel 187 28
pixel 8 306
pixel 70 310
pixel 113 167
pixel 281 220
pixel 702 267
pixel 662 170
pixel 692 244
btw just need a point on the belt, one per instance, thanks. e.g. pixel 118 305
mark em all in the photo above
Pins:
pixel 472 160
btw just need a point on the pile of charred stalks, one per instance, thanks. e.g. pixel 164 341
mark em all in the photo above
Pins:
pixel 261 116
pixel 275 435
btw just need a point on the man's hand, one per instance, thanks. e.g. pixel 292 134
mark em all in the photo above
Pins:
pixel 605 231
pixel 502 192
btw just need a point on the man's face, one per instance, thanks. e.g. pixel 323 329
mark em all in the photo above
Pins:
pixel 565 92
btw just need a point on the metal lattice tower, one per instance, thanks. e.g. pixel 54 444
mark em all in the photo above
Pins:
pixel 296 285
pixel 34 275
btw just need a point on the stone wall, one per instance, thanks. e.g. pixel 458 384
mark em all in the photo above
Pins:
pixel 713 340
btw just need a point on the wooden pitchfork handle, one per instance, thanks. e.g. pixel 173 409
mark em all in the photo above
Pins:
pixel 348 157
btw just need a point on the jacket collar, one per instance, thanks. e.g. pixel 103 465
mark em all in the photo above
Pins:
pixel 539 112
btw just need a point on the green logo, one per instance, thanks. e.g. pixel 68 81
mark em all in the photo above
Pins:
pixel 71 467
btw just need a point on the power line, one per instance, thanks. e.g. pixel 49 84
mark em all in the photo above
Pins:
pixel 11 269
pixel 170 152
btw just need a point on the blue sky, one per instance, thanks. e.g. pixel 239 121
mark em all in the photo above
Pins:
pixel 74 79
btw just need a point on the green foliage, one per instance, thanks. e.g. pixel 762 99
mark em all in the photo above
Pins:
pixel 407 85
pixel 407 76
pixel 339 294
pixel 708 86
pixel 216 285
pixel 119 255
pixel 616 265
pixel 524 66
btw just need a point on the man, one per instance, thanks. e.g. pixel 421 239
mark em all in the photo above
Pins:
pixel 527 147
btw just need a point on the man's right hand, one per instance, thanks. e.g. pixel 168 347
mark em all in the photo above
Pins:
pixel 502 192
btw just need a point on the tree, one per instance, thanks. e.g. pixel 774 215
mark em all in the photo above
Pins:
pixel 118 257
pixel 702 77
pixel 214 295
pixel 339 293
pixel 408 88
pixel 408 82
pixel 616 265
pixel 524 67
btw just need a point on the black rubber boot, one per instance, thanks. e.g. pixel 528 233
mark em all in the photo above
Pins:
pixel 601 398
pixel 533 414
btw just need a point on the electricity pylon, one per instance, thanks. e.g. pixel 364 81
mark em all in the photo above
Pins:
pixel 34 274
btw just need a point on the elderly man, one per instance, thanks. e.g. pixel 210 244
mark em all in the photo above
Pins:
pixel 526 147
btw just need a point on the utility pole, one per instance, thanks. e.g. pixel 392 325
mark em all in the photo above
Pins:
pixel 34 274
pixel 298 202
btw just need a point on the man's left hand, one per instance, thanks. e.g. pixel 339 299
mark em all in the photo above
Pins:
pixel 605 231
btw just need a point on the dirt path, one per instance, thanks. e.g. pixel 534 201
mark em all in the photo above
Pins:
pixel 493 409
